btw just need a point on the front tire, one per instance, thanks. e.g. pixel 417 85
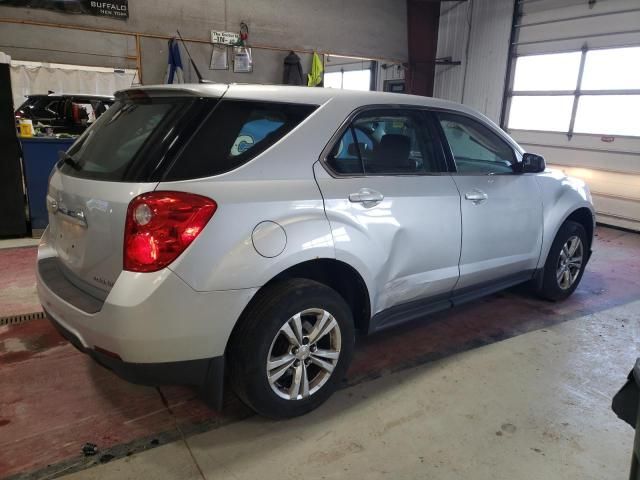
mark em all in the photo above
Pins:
pixel 291 349
pixel 566 262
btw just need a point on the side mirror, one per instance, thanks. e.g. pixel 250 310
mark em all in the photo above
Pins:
pixel 532 163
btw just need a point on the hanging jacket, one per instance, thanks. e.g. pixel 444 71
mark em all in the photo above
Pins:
pixel 175 71
pixel 314 78
pixel 292 70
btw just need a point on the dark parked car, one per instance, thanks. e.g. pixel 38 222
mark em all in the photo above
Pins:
pixel 64 113
pixel 626 404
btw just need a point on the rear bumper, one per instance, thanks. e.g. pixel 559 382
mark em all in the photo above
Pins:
pixel 205 373
pixel 147 318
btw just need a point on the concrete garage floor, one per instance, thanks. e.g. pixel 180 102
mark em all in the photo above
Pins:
pixel 531 407
pixel 506 387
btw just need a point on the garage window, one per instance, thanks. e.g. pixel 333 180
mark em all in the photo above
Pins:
pixel 589 91
pixel 348 73
pixel 350 80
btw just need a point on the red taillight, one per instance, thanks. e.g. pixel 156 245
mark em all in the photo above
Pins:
pixel 160 226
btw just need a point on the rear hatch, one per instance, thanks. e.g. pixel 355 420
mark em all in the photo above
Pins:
pixel 122 155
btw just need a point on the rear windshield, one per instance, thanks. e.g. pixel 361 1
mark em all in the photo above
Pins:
pixel 235 132
pixel 28 102
pixel 40 107
pixel 108 150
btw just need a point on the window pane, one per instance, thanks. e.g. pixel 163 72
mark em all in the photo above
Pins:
pixel 612 69
pixel 541 113
pixel 558 71
pixel 608 114
pixel 475 148
pixel 344 157
pixel 332 80
pixel 395 142
pixel 357 80
pixel 107 150
pixel 233 134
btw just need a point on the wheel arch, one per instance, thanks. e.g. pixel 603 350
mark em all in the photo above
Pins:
pixel 584 217
pixel 338 275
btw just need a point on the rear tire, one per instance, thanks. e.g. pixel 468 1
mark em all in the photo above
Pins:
pixel 291 349
pixel 565 262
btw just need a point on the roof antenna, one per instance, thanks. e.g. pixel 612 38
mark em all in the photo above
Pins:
pixel 193 64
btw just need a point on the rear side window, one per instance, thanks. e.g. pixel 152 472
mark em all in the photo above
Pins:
pixel 235 132
pixel 108 149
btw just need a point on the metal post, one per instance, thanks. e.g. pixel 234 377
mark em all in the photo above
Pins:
pixel 508 80
pixel 576 95
pixel 139 58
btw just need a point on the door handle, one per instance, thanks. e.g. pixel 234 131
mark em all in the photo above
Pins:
pixel 476 196
pixel 367 197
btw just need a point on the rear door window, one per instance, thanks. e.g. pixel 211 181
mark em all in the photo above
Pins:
pixel 387 142
pixel 345 156
pixel 235 132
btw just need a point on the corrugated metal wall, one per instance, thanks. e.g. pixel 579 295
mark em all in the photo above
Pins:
pixel 609 164
pixel 475 32
pixel 453 35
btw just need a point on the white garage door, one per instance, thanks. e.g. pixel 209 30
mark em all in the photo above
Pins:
pixel 574 96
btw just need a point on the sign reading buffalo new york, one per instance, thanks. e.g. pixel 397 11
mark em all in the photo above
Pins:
pixel 113 8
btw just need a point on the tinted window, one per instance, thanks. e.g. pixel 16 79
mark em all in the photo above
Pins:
pixel 234 133
pixel 475 148
pixel 386 142
pixel 41 107
pixel 107 149
pixel 28 103
pixel 48 109
pixel 345 157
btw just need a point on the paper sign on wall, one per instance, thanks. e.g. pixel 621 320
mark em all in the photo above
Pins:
pixel 225 38
pixel 242 62
pixel 219 59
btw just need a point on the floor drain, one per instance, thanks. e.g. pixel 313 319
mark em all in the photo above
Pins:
pixel 15 319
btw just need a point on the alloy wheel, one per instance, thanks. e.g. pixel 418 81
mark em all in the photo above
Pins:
pixel 303 354
pixel 569 262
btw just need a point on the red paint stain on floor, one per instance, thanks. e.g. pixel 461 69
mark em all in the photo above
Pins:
pixel 53 399
pixel 18 281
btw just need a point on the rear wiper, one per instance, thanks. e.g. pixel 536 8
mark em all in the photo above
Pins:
pixel 69 160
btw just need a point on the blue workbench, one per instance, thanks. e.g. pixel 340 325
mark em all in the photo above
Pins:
pixel 39 155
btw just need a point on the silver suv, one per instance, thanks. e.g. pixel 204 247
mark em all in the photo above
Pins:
pixel 204 232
